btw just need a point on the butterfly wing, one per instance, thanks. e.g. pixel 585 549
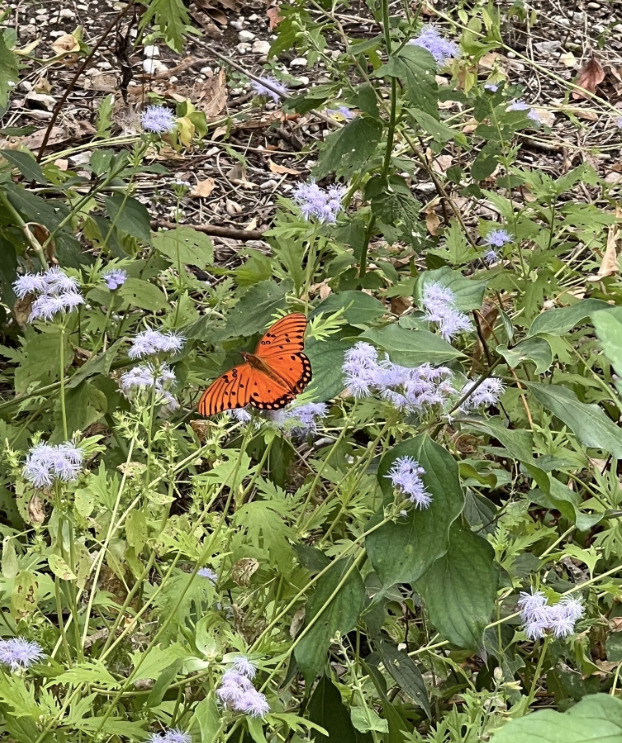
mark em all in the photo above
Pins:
pixel 229 391
pixel 286 336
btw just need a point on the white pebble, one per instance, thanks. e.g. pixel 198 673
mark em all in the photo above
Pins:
pixel 261 47
pixel 298 62
pixel 66 13
pixel 151 50
pixel 246 35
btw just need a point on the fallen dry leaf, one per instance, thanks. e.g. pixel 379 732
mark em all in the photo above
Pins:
pixel 609 265
pixel 66 44
pixel 546 117
pixel 280 169
pixel 211 96
pixel 274 17
pixel 590 75
pixel 432 222
pixel 568 59
pixel 202 189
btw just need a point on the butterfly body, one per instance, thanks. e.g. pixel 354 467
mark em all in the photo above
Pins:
pixel 268 379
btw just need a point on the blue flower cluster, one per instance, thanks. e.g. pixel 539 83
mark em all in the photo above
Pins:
pixel 440 48
pixel 139 381
pixel 158 119
pixel 439 303
pixel 18 653
pixel 150 342
pixel 405 475
pixel 237 691
pixel 54 291
pixel 271 87
pixel 301 421
pixel 171 736
pixel 115 278
pixel 46 463
pixel 539 617
pixel 322 203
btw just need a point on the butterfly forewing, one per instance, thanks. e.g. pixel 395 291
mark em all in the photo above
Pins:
pixel 231 390
pixel 285 336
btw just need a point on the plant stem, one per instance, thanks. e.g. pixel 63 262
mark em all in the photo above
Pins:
pixel 62 382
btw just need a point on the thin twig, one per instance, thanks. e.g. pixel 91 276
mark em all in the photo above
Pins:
pixel 210 229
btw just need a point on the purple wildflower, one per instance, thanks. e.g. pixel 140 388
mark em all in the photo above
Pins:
pixel 539 617
pixel 343 111
pixel 405 475
pixel 56 292
pixel 46 463
pixel 439 305
pixel 301 420
pixel 208 573
pixel 19 653
pixel 323 204
pixel 518 106
pixel 485 395
pixel 139 381
pixel 150 342
pixel 618 124
pixel 491 257
pixel 115 278
pixel 30 283
pixel 241 414
pixel 158 119
pixel 491 87
pixel 176 736
pixel 361 369
pixel 237 690
pixel 439 47
pixel 271 87
pixel 497 238
pixel 534 116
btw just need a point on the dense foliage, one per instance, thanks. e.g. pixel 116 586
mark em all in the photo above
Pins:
pixel 426 545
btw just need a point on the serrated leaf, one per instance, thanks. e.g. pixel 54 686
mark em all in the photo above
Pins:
pixel 460 588
pixel 172 18
pixel 416 67
pixel 186 245
pixel 345 150
pixel 26 164
pixel 396 210
pixel 129 215
pixel 144 295
pixel 255 310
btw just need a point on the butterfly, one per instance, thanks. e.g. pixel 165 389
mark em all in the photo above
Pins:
pixel 269 378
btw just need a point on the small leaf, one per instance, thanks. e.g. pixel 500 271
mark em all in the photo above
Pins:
pixel 60 568
pixel 186 245
pixel 561 321
pixel 129 215
pixel 412 347
pixel 590 75
pixel 345 150
pixel 406 674
pixel 26 164
pixel 535 349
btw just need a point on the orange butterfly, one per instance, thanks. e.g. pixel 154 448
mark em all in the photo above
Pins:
pixel 269 378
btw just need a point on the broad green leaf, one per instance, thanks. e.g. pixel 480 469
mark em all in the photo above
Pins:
pixel 438 130
pixel 416 67
pixel 208 716
pixel 559 322
pixel 171 16
pixel 129 215
pixel 359 308
pixel 255 309
pixel 9 558
pixel 60 568
pixel 136 530
pixel 597 718
pixel 327 709
pixel 395 210
pixel 608 326
pixel 411 347
pixel 588 422
pixel 405 673
pixel 366 720
pixel 255 728
pixel 150 666
pixel 568 502
pixel 9 71
pixel 189 247
pixel 85 405
pixel 517 442
pixel 326 359
pixel 535 349
pixel 403 550
pixel 460 588
pixel 468 292
pixel 346 149
pixel 329 615
pixel 142 294
pixel 26 164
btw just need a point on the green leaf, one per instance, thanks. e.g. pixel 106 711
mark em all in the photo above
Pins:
pixel 208 716
pixel 597 718
pixel 559 322
pixel 439 131
pixel 535 349
pixel 460 589
pixel 172 18
pixel 326 359
pixel 331 615
pixel 150 666
pixel 142 294
pixel 411 347
pixel 517 442
pixel 328 710
pixel 136 530
pixel 26 164
pixel 9 71
pixel 359 308
pixel 468 293
pixel 416 67
pixel 608 326
pixel 129 215
pixel 264 521
pixel 588 422
pixel 395 210
pixel 405 673
pixel 402 551
pixel 9 559
pixel 345 150
pixel 190 247
pixel 255 310
pixel 366 720
pixel 90 672
pixel 60 568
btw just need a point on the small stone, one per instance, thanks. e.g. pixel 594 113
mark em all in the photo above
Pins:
pixel 66 13
pixel 104 65
pixel 303 79
pixel 40 101
pixel 41 11
pixel 238 25
pixel 206 70
pixel 246 36
pixel 151 50
pixel 618 28
pixel 253 17
pixel 243 48
pixel 298 62
pixel 154 66
pixel 56 34
pixel 593 6
pixel 261 47
pixel 267 185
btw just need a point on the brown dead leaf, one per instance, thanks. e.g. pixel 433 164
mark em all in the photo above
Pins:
pixel 200 429
pixel 21 309
pixel 399 305
pixel 36 510
pixel 243 570
pixel 609 265
pixel 274 17
pixel 432 222
pixel 211 96
pixel 202 189
pixel 590 75
pixel 281 169
pixel 66 44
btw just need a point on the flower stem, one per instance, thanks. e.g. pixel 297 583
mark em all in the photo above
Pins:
pixel 62 382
